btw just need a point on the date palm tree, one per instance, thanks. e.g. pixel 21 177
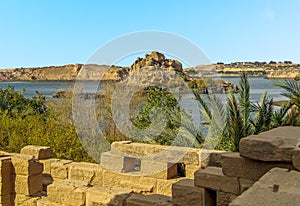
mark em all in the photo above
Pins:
pixel 238 118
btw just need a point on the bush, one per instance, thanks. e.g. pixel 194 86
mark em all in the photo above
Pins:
pixel 25 121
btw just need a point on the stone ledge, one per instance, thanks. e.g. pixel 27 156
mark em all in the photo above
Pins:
pixel 278 187
pixel 275 145
pixel 214 179
pixel 234 165
pixel 38 152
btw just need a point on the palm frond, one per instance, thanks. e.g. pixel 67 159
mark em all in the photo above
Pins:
pixel 292 90
pixel 204 107
pixel 244 102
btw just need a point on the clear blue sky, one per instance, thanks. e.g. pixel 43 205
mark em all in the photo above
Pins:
pixel 57 32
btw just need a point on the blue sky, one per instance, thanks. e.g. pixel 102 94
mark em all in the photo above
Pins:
pixel 58 32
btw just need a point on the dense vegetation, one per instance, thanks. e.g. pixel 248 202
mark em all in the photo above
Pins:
pixel 36 121
pixel 25 121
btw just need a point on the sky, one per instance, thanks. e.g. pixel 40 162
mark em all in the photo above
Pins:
pixel 58 32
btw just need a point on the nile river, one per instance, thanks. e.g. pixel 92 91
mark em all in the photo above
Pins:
pixel 258 87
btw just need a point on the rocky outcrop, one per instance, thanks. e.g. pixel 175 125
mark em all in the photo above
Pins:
pixel 157 59
pixel 65 73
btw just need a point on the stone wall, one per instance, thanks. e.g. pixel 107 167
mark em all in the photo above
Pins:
pixel 263 173
pixel 128 177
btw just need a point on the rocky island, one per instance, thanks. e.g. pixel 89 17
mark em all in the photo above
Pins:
pixel 286 70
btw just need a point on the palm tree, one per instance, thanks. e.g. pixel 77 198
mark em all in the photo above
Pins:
pixel 289 114
pixel 240 117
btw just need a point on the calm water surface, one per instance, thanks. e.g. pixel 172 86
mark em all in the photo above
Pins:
pixel 258 87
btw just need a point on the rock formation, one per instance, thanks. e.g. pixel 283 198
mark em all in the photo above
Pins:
pixel 157 59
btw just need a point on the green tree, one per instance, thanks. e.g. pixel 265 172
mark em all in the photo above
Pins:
pixel 162 108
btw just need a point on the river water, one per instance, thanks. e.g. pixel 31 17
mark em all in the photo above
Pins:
pixel 258 87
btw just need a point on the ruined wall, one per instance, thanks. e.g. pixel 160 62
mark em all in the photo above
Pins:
pixel 267 162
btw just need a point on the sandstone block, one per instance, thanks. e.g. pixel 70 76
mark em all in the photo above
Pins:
pixel 149 200
pixel 173 154
pixel 28 185
pixel 245 184
pixel 134 181
pixel 296 159
pixel 210 158
pixel 164 187
pixel 66 192
pixel 277 187
pixel 38 152
pixel 276 145
pixel 25 165
pixel 92 174
pixel 118 163
pixel 45 202
pixel 158 169
pixel 223 198
pixel 234 165
pixel 185 193
pixel 106 196
pixel 47 165
pixel 190 170
pixel 59 169
pixel 214 179
pixel 19 199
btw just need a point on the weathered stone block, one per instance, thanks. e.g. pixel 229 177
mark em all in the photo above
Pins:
pixel 118 163
pixel 275 145
pixel 148 200
pixel 25 165
pixel 277 187
pixel 211 158
pixel 45 202
pixel 59 169
pixel 190 170
pixel 245 184
pixel 47 165
pixel 223 198
pixel 67 192
pixel 27 185
pixel 296 159
pixel 37 152
pixel 164 187
pixel 185 193
pixel 234 165
pixel 106 196
pixel 19 199
pixel 158 169
pixel 214 179
pixel 132 181
pixel 92 174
